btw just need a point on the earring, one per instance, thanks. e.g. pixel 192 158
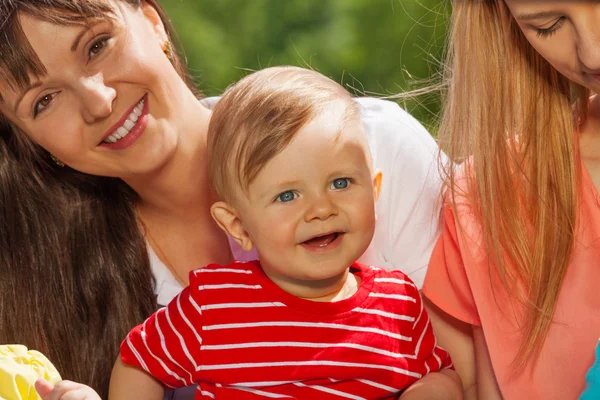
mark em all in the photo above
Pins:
pixel 57 161
pixel 168 50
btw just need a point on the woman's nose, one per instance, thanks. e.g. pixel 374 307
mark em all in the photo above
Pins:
pixel 96 98
pixel 588 46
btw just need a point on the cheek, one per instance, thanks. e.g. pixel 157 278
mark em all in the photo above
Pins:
pixel 559 52
pixel 61 136
pixel 361 211
pixel 275 226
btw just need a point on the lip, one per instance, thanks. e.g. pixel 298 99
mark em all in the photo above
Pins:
pixel 330 246
pixel 134 133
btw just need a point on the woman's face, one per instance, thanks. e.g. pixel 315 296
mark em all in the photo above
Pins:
pixel 110 100
pixel 566 33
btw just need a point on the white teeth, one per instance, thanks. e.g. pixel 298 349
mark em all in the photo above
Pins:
pixel 129 123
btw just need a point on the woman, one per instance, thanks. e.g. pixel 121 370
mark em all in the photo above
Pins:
pixel 513 280
pixel 103 179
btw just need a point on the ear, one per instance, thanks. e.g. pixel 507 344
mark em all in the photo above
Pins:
pixel 377 183
pixel 228 219
pixel 153 17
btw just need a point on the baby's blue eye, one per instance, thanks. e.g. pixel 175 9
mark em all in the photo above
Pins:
pixel 340 183
pixel 287 196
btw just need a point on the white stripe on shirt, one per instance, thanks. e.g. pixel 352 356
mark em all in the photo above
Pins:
pixel 307 325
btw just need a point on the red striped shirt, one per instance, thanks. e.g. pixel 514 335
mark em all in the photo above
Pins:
pixel 237 335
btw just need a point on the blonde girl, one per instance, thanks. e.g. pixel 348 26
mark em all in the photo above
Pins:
pixel 513 284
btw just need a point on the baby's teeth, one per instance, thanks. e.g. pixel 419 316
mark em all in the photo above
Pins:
pixel 128 124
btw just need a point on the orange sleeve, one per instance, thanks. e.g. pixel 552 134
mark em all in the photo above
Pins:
pixel 446 283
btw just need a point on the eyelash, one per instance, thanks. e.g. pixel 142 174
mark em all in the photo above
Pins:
pixel 103 41
pixel 544 33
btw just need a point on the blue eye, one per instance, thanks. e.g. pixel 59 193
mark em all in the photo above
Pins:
pixel 286 197
pixel 340 183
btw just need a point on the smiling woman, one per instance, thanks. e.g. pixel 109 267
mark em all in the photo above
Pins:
pixel 75 75
pixel 90 243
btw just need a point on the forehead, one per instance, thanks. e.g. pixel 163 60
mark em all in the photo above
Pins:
pixel 329 141
pixel 29 27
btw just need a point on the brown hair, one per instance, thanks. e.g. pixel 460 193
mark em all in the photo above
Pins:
pixel 258 117
pixel 74 270
pixel 515 126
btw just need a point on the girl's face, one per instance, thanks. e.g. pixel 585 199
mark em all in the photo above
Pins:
pixel 110 101
pixel 566 33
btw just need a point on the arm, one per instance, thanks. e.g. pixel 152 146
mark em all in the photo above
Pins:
pixel 457 338
pixel 127 382
pixel 443 385
pixel 487 387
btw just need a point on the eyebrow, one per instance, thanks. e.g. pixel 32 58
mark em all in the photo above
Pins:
pixel 538 15
pixel 74 47
pixel 24 92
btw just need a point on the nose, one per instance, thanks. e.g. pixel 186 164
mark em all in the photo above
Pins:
pixel 588 46
pixel 320 208
pixel 96 98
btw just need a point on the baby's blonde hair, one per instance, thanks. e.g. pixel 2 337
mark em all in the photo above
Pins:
pixel 258 117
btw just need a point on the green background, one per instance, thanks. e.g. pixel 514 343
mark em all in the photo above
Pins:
pixel 373 47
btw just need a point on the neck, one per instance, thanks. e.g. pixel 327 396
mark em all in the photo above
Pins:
pixel 181 185
pixel 337 288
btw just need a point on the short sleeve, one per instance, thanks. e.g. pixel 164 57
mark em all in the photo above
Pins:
pixel 408 208
pixel 447 284
pixel 167 344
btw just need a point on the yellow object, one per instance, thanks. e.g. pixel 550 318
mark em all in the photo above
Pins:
pixel 20 368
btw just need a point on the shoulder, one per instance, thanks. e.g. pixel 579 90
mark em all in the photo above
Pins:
pixel 388 281
pixel 385 120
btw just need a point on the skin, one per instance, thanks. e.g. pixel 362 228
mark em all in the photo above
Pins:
pixel 331 187
pixel 567 35
pixel 326 152
pixel 84 93
pixel 87 91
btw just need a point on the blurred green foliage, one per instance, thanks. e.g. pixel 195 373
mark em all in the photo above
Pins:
pixel 373 47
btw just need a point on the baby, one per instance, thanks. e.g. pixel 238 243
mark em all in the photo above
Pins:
pixel 291 165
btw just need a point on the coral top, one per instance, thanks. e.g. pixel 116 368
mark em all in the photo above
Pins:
pixel 459 282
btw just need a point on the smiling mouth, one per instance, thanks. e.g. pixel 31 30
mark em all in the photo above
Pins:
pixel 127 125
pixel 322 241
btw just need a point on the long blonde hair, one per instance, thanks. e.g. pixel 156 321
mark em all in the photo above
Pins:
pixel 512 117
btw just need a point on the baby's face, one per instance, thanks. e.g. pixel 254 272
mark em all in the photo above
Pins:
pixel 310 212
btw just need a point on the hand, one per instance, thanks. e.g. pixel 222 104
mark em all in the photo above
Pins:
pixel 65 390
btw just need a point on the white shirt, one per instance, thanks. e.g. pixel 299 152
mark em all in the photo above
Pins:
pixel 408 208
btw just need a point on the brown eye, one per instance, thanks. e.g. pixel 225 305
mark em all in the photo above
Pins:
pixel 43 103
pixel 97 47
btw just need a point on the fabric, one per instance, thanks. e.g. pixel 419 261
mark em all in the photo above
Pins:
pixel 459 282
pixel 408 208
pixel 592 380
pixel 19 369
pixel 240 336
